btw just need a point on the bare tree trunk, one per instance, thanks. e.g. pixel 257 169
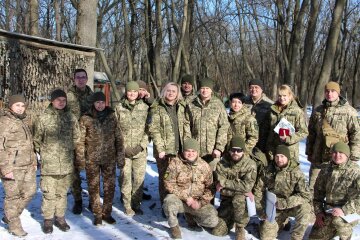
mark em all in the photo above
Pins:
pixel 8 15
pixel 57 20
pixel 158 44
pixel 34 17
pixel 127 41
pixel 331 44
pixel 355 85
pixel 308 50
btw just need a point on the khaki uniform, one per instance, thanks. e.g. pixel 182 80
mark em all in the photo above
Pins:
pixel 293 200
pixel 343 119
pixel 100 146
pixel 208 124
pixel 336 186
pixel 243 124
pixel 161 129
pixel 260 110
pixel 237 178
pixel 79 103
pixel 132 122
pixel 295 115
pixel 16 156
pixel 184 180
pixel 55 137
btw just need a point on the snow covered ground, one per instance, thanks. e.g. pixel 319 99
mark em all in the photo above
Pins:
pixel 151 225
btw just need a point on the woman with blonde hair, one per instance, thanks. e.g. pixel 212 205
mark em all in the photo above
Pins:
pixel 166 128
pixel 286 109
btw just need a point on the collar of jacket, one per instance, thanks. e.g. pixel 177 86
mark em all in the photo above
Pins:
pixel 289 167
pixel 340 166
pixel 126 103
pixel 242 111
pixel 187 162
pixel 52 110
pixel 92 112
pixel 340 101
pixel 278 109
pixel 78 92
pixel 11 114
pixel 198 102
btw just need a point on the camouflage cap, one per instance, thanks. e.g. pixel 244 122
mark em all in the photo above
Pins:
pixel 191 143
pixel 341 147
pixel 207 82
pixel 132 86
pixel 284 150
pixel 16 98
pixel 237 142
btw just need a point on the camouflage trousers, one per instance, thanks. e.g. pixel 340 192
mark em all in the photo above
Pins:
pixel 303 217
pixel 205 216
pixel 76 186
pixel 162 165
pixel 334 226
pixel 55 188
pixel 233 210
pixel 107 172
pixel 18 193
pixel 132 181
pixel 313 174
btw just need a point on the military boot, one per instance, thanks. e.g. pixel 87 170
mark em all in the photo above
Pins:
pixel 240 233
pixel 98 221
pixel 175 232
pixel 62 224
pixel 16 229
pixel 109 219
pixel 220 229
pixel 77 209
pixel 48 226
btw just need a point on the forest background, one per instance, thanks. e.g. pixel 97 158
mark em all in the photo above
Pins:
pixel 303 43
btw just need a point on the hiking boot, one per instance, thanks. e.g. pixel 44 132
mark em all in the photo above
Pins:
pixel 61 224
pixel 220 229
pixel 240 233
pixel 98 221
pixel 5 220
pixel 146 196
pixel 175 232
pixel 48 226
pixel 109 219
pixel 190 220
pixel 129 212
pixel 77 209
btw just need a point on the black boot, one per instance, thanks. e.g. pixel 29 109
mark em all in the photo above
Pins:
pixel 77 209
pixel 62 224
pixel 48 226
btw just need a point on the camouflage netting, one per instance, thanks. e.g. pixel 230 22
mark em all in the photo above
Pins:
pixel 36 69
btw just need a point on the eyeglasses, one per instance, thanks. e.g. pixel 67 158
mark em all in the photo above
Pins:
pixel 81 78
pixel 236 150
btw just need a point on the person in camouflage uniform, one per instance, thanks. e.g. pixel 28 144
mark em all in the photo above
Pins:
pixel 131 114
pixel 284 178
pixel 289 108
pixel 100 146
pixel 242 122
pixel 189 181
pixel 166 128
pixel 78 102
pixel 17 163
pixel 337 194
pixel 334 120
pixel 206 121
pixel 187 87
pixel 259 105
pixel 235 178
pixel 56 134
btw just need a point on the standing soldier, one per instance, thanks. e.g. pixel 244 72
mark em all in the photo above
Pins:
pixel 337 194
pixel 189 180
pixel 236 176
pixel 242 123
pixel 206 121
pixel 187 87
pixel 167 129
pixel 284 178
pixel 17 163
pixel 55 137
pixel 259 104
pixel 78 102
pixel 100 147
pixel 333 121
pixel 131 115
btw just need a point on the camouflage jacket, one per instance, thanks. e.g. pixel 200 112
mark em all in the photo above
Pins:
pixel 78 101
pixel 207 123
pixel 260 110
pixel 16 149
pixel 288 184
pixel 132 122
pixel 236 177
pixel 338 186
pixel 243 124
pixel 56 134
pixel 185 179
pixel 161 127
pixel 295 115
pixel 189 98
pixel 101 140
pixel 343 119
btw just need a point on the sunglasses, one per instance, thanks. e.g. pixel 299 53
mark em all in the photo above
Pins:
pixel 236 150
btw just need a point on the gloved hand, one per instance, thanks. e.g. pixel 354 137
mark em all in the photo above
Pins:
pixel 131 152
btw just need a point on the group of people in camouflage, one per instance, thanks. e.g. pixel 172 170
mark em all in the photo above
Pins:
pixel 200 149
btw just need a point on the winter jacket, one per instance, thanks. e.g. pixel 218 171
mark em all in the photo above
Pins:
pixel 79 101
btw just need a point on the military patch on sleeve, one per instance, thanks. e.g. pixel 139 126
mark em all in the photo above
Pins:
pixel 166 175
